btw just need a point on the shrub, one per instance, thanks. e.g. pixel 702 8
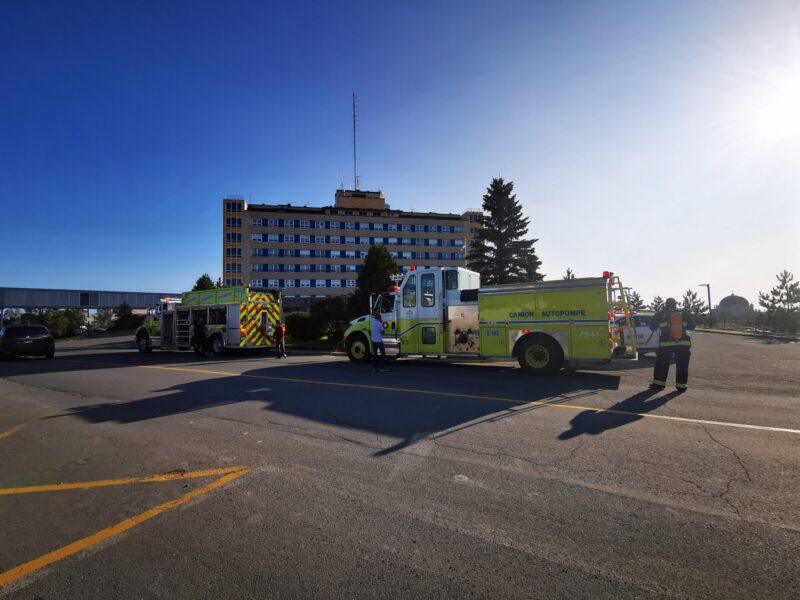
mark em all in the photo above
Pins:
pixel 299 327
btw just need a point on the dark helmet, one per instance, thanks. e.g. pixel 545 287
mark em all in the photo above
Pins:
pixel 670 303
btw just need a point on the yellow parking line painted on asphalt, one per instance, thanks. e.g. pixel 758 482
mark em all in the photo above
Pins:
pixel 11 431
pixel 80 485
pixel 82 544
pixel 489 398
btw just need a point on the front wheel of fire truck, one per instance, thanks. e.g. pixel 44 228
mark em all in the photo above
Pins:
pixel 540 355
pixel 143 343
pixel 357 348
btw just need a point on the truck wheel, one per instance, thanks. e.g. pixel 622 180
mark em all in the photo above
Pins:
pixel 143 343
pixel 358 348
pixel 540 355
pixel 217 345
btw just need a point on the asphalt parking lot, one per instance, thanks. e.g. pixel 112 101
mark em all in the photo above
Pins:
pixel 149 476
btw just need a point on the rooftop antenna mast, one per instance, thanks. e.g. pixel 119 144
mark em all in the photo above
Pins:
pixel 355 155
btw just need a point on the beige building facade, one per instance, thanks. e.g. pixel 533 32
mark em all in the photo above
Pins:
pixel 314 252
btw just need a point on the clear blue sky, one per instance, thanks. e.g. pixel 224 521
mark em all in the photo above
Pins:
pixel 657 139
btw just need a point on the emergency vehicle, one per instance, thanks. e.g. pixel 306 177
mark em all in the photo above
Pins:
pixel 235 317
pixel 443 311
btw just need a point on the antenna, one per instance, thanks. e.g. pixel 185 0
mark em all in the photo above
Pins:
pixel 355 155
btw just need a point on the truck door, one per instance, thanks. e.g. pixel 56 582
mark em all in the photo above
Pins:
pixel 407 323
pixel 430 315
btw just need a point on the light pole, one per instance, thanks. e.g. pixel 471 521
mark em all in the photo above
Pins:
pixel 708 289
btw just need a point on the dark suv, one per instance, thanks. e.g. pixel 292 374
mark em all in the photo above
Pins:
pixel 26 340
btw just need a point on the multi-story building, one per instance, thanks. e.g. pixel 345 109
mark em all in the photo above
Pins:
pixel 312 252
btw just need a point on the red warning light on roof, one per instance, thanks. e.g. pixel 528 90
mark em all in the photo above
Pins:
pixel 411 268
pixel 607 274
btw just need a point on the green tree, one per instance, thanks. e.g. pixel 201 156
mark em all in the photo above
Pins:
pixel 219 283
pixel 500 252
pixel 103 317
pixel 204 282
pixel 784 296
pixel 692 304
pixel 375 277
pixel 569 274
pixel 329 317
pixel 657 304
pixel 635 300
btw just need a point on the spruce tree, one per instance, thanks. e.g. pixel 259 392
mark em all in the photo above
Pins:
pixel 500 252
pixel 635 300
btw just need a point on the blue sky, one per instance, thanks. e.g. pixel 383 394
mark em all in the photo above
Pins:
pixel 656 139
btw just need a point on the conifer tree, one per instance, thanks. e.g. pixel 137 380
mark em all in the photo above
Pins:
pixel 500 252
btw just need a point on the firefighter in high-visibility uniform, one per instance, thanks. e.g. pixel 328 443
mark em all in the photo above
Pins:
pixel 673 325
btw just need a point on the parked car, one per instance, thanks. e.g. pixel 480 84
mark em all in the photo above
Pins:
pixel 645 342
pixel 26 340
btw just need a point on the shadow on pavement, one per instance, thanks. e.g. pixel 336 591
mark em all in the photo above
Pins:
pixel 592 422
pixel 409 403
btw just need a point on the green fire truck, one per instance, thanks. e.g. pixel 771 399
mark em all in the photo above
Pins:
pixel 235 317
pixel 443 311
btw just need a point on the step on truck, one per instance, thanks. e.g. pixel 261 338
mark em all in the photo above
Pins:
pixel 235 317
pixel 443 311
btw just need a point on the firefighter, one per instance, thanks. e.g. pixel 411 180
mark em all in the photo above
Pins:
pixel 200 341
pixel 675 341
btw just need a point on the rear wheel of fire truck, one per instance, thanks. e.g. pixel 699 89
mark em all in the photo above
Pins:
pixel 358 348
pixel 217 345
pixel 540 355
pixel 143 343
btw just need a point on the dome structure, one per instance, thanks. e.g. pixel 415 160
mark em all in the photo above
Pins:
pixel 733 307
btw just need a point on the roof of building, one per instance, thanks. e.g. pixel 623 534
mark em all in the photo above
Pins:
pixel 733 300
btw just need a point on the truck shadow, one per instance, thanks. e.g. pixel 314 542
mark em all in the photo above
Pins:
pixel 408 404
pixel 595 422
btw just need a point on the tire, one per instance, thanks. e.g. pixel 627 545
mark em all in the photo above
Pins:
pixel 143 343
pixel 358 348
pixel 540 355
pixel 217 345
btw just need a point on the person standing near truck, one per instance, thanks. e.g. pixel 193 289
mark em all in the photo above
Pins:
pixel 280 340
pixel 376 334
pixel 675 341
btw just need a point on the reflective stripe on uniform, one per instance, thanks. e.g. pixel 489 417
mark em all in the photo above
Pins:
pixel 659 382
pixel 681 386
pixel 670 344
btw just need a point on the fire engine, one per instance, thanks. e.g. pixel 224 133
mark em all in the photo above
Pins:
pixel 235 317
pixel 443 311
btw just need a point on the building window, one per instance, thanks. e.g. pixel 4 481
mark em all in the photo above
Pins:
pixel 233 222
pixel 230 282
pixel 334 224
pixel 305 283
pixel 320 283
pixel 474 229
pixel 255 237
pixel 336 283
pixel 350 239
pixel 273 267
pixel 233 207
pixel 258 252
pixel 289 252
pixel 419 227
pixel 288 283
pixel 392 227
pixel 392 241
pixel 349 225
pixel 335 268
pixel 394 254
pixel 233 267
pixel 256 283
pixel 433 242
pixel 288 238
pixel 272 237
pixel 273 252
pixel 351 283
pixel 305 224
pixel 458 229
pixel 406 227
pixel 256 222
pixel 407 255
pixel 304 253
pixel 336 253
pixel 272 222
pixel 288 268
pixel 335 239
pixel 273 283
pixel 305 239
pixel 458 242
pixel 233 253
pixel 319 239
pixel 377 226
pixel 378 240
pixel 288 222
pixel 350 268
pixel 350 253
pixel 233 237
pixel 433 228
pixel 363 240
pixel 305 268
pixel 407 241
pixel 363 226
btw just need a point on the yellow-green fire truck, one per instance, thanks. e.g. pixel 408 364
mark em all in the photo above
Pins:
pixel 443 311
pixel 235 317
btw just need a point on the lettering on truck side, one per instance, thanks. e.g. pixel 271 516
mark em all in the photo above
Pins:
pixel 564 313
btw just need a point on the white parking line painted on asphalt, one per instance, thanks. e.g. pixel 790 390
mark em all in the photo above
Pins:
pixel 259 390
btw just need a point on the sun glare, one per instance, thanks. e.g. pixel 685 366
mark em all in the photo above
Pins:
pixel 777 108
